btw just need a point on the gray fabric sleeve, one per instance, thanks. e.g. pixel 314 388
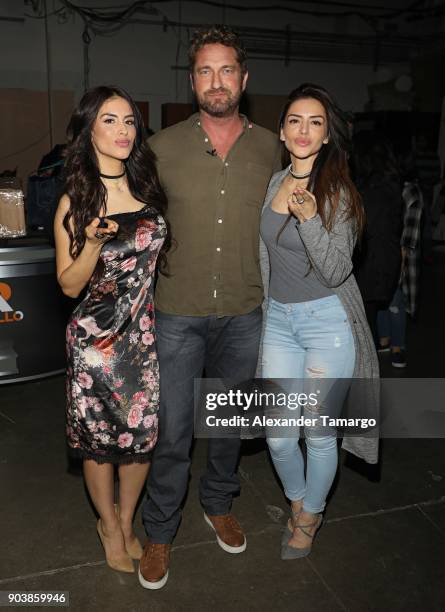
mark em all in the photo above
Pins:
pixel 272 189
pixel 330 252
pixel 265 267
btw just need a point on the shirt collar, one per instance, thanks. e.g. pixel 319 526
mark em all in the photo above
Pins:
pixel 195 121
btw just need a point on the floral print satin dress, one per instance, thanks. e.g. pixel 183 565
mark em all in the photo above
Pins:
pixel 113 374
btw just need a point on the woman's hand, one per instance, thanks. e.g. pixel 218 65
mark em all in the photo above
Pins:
pixel 302 204
pixel 96 235
pixel 74 274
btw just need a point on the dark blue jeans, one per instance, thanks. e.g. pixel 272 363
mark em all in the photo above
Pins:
pixel 391 323
pixel 225 347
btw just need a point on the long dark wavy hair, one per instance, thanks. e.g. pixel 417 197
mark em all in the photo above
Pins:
pixel 83 186
pixel 330 179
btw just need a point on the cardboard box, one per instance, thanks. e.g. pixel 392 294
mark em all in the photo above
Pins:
pixel 12 212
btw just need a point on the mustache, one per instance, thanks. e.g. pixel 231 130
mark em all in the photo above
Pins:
pixel 218 90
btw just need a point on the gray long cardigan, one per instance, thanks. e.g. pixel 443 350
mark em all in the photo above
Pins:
pixel 330 255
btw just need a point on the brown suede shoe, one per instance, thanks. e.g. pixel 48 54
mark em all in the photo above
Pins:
pixel 229 534
pixel 153 566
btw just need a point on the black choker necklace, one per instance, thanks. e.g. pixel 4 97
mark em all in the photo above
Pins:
pixel 113 176
pixel 298 176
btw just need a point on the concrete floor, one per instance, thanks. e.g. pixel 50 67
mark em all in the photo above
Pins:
pixel 381 546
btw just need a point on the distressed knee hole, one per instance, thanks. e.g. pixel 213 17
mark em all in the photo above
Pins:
pixel 315 372
pixel 317 443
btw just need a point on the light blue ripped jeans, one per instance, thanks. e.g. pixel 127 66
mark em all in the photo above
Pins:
pixel 307 340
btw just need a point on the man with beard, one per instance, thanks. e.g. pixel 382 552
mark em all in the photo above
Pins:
pixel 215 168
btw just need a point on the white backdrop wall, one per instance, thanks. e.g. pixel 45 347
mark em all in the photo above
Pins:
pixel 141 57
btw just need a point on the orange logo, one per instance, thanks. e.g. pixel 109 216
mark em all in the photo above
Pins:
pixel 7 313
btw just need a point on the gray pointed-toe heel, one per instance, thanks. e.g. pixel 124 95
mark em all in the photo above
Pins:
pixel 290 552
pixel 286 536
pixel 287 532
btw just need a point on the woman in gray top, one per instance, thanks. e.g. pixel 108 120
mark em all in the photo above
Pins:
pixel 315 325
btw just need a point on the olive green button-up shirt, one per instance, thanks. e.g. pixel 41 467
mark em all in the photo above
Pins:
pixel 214 209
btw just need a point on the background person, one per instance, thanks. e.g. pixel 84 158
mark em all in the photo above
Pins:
pixel 112 374
pixel 391 323
pixel 428 171
pixel 377 258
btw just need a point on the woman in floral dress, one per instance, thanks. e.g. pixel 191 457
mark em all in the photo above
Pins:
pixel 109 231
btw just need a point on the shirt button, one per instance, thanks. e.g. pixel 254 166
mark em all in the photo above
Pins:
pixel 219 220
pixel 222 192
pixel 206 140
pixel 218 249
pixel 226 164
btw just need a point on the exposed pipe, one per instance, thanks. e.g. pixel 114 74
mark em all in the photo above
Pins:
pixel 86 40
pixel 48 78
pixel 13 19
pixel 287 47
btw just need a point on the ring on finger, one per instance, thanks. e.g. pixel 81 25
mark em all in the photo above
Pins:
pixel 300 200
pixel 99 235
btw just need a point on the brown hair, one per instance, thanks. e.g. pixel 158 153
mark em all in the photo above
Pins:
pixel 330 178
pixel 217 34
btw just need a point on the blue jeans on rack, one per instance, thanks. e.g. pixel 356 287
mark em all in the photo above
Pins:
pixel 307 340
